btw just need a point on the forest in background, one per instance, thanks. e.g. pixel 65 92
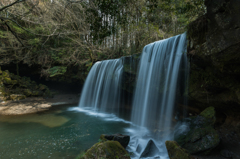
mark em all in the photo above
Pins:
pixel 57 34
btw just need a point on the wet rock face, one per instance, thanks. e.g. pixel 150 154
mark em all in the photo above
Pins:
pixel 122 139
pixel 107 150
pixel 176 152
pixel 224 27
pixel 200 136
pixel 214 46
pixel 130 66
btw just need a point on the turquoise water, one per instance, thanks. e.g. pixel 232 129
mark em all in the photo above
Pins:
pixel 57 134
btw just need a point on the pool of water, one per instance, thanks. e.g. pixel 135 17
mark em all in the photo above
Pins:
pixel 62 133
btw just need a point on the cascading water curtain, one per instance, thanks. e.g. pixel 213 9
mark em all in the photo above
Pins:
pixel 163 64
pixel 101 91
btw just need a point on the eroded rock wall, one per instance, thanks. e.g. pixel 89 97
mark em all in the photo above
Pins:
pixel 214 51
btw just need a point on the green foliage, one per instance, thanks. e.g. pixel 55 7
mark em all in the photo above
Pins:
pixel 16 28
pixel 80 34
pixel 3 34
pixel 14 87
pixel 34 41
pixel 56 70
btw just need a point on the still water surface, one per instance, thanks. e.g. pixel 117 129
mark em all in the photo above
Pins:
pixel 56 134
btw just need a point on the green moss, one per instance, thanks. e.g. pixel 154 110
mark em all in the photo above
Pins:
pixel 102 138
pixel 176 152
pixel 27 92
pixel 201 137
pixel 14 85
pixel 81 155
pixel 106 150
pixel 200 140
pixel 209 114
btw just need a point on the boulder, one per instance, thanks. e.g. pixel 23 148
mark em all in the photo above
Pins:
pixel 176 152
pixel 150 150
pixel 201 140
pixel 106 150
pixel 122 139
pixel 209 115
pixel 199 136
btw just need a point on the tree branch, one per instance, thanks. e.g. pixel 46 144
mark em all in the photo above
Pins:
pixel 3 18
pixel 5 7
pixel 9 28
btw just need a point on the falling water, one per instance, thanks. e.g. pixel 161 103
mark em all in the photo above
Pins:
pixel 101 90
pixel 161 80
pixel 161 84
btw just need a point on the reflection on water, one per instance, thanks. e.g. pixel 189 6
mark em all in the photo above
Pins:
pixel 56 135
pixel 49 120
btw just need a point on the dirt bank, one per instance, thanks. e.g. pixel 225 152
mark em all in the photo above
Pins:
pixel 36 104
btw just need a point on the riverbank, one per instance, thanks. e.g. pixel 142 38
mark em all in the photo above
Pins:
pixel 36 104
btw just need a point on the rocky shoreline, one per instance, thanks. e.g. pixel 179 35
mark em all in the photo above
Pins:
pixel 36 104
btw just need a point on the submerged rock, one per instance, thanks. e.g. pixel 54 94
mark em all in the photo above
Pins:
pixel 150 150
pixel 106 150
pixel 122 139
pixel 176 152
pixel 200 136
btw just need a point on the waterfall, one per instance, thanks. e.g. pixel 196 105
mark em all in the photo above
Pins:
pixel 157 82
pixel 101 91
pixel 161 80
pixel 161 84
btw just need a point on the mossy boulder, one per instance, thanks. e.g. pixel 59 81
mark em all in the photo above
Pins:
pixel 176 152
pixel 209 114
pixel 201 140
pixel 122 139
pixel 14 87
pixel 199 136
pixel 106 150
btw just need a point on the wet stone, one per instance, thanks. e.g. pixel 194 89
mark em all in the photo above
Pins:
pixel 122 139
pixel 139 149
pixel 151 150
